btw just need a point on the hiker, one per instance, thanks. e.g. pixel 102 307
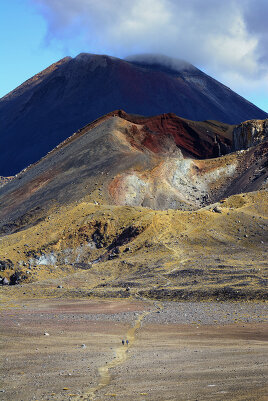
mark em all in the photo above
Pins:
pixel 123 342
pixel 127 342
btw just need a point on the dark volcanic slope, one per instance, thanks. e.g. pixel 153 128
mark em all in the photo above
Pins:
pixel 53 104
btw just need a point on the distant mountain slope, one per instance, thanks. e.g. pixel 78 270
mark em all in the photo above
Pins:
pixel 49 107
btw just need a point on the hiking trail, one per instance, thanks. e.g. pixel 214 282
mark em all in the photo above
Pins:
pixel 121 354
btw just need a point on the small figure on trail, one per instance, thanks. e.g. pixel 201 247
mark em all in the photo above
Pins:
pixel 123 342
pixel 127 342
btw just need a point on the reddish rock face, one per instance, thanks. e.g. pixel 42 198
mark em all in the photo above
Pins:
pixel 159 133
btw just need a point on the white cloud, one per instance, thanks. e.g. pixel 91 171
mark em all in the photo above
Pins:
pixel 228 39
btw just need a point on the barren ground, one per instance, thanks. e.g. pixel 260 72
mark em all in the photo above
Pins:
pixel 177 351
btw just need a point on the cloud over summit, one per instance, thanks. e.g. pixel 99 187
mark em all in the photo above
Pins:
pixel 228 39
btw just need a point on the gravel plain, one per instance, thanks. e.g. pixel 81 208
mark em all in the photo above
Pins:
pixel 55 349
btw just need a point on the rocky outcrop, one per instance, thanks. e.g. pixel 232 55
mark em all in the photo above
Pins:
pixel 250 133
pixel 6 265
pixel 4 180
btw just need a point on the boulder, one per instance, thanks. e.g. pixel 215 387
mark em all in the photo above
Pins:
pixel 216 209
pixel 4 281
pixel 6 264
pixel 15 278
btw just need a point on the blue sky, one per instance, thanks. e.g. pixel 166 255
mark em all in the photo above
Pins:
pixel 23 48
pixel 227 39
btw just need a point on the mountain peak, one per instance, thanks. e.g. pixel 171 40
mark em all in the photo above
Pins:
pixel 160 60
pixel 89 57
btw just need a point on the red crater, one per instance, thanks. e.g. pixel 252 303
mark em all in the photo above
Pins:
pixel 158 133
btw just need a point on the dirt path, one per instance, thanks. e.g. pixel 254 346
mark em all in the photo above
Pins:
pixel 189 363
pixel 121 354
